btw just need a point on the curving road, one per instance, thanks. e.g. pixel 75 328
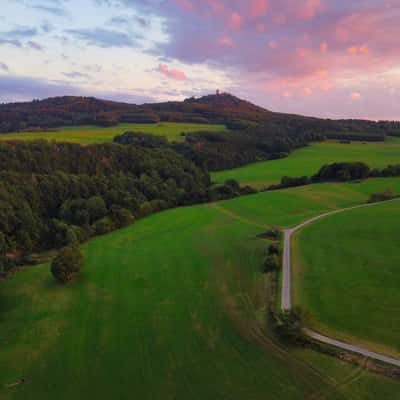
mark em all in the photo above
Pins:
pixel 286 302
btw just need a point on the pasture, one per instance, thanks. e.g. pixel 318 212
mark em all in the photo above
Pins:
pixel 347 276
pixel 88 134
pixel 173 307
pixel 308 160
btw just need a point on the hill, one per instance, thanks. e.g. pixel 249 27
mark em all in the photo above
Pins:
pixel 224 108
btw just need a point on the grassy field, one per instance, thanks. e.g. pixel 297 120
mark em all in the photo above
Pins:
pixel 173 307
pixel 357 255
pixel 94 134
pixel 308 160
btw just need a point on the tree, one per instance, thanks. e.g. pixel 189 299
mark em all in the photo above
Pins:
pixel 290 325
pixel 67 264
pixel 274 249
pixel 271 263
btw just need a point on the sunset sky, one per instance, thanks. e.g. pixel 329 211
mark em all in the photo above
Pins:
pixel 315 57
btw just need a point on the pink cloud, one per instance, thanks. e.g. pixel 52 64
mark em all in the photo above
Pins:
pixel 279 19
pixel 307 91
pixel 358 50
pixel 258 8
pixel 171 73
pixel 323 47
pixel 356 96
pixel 235 21
pixel 225 41
pixel 185 4
pixel 273 44
pixel 309 9
pixel 317 46
pixel 216 6
pixel 260 27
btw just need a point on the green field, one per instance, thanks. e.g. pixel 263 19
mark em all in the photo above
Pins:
pixel 348 277
pixel 88 134
pixel 308 160
pixel 174 307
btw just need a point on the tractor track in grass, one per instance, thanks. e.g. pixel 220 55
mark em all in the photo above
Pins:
pixel 286 299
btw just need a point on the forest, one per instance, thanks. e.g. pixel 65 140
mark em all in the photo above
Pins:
pixel 53 195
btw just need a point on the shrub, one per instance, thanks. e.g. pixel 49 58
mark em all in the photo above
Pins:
pixel 67 264
pixel 388 194
pixel 274 249
pixel 271 263
pixel 290 324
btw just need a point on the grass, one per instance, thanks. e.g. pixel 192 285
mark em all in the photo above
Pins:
pixel 94 134
pixel 308 160
pixel 170 308
pixel 354 254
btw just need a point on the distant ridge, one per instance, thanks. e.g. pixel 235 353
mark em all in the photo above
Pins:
pixel 222 108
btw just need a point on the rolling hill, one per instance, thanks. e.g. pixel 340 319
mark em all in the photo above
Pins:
pixel 222 108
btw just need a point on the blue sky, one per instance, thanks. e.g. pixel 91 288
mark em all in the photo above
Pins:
pixel 316 57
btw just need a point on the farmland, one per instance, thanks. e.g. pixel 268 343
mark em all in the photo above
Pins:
pixel 94 134
pixel 354 254
pixel 174 306
pixel 308 160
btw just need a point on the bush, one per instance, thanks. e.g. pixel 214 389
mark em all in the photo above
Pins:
pixel 290 324
pixel 388 194
pixel 271 263
pixel 67 264
pixel 274 249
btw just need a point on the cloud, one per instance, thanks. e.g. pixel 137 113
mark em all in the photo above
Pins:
pixel 54 10
pixel 34 45
pixel 21 32
pixel 356 96
pixel 76 75
pixel 171 73
pixel 258 8
pixel 25 88
pixel 4 67
pixel 129 22
pixel 235 21
pixel 103 37
pixel 225 41
pixel 11 42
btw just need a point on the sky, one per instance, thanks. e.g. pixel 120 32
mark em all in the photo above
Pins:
pixel 334 59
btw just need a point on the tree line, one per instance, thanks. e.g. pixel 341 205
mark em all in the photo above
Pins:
pixel 339 172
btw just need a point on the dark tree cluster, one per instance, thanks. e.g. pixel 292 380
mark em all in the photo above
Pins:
pixel 226 150
pixel 339 172
pixel 387 194
pixel 272 260
pixel 55 195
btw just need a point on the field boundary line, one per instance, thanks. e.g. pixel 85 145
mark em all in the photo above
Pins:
pixel 233 215
pixel 286 299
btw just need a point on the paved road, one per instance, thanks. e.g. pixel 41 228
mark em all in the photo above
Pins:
pixel 286 302
pixel 349 347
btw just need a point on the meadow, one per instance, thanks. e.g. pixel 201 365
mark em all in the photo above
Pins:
pixel 88 134
pixel 173 307
pixel 355 254
pixel 308 160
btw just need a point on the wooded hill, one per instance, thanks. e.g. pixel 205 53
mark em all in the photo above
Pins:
pixel 224 108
